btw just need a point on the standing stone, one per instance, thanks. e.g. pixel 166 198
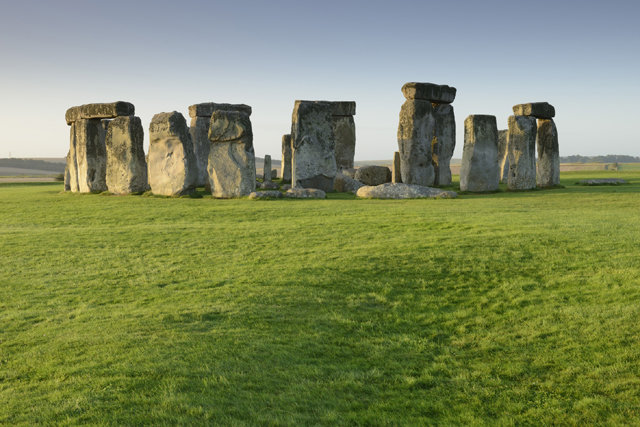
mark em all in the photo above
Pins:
pixel 200 120
pixel 126 164
pixel 415 132
pixel 503 154
pixel 90 155
pixel 72 164
pixel 172 162
pixel 396 176
pixel 232 164
pixel 479 170
pixel 286 158
pixel 522 153
pixel 266 169
pixel 67 176
pixel 443 143
pixel 313 153
pixel 548 172
pixel 344 130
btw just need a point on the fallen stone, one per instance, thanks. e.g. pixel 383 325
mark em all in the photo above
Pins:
pixel 268 185
pixel 415 131
pixel 285 166
pixel 539 110
pixel 232 167
pixel 206 109
pixel 503 154
pixel 99 111
pixel 343 108
pixel 313 154
pixel 396 176
pixel 479 170
pixel 305 193
pixel 522 153
pixel 266 169
pixel 199 131
pixel 548 165
pixel 265 195
pixel 373 175
pixel 403 191
pixel 126 164
pixel 441 94
pixel 172 167
pixel 603 181
pixel 345 184
pixel 443 143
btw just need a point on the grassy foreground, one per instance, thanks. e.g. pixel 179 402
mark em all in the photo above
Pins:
pixel 505 308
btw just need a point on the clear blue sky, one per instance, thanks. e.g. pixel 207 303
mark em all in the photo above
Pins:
pixel 581 56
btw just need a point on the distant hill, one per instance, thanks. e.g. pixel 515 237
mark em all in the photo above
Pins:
pixel 30 167
pixel 609 158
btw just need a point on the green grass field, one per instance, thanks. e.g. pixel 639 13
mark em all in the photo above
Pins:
pixel 505 308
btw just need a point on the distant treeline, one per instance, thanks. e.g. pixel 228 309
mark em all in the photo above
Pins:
pixel 609 158
pixel 32 164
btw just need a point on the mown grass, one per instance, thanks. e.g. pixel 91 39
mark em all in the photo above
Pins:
pixel 505 308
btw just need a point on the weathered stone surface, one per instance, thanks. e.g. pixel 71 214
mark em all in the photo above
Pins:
pixel 540 110
pixel 479 170
pixel 403 191
pixel 351 172
pixel 603 181
pixel 285 187
pixel 172 167
pixel 343 108
pixel 396 176
pixel 305 193
pixel 265 195
pixel 441 94
pixel 90 155
pixel 345 184
pixel 268 185
pixel 503 154
pixel 232 165
pixel 415 132
pixel 99 111
pixel 313 153
pixel 285 165
pixel 199 131
pixel 274 173
pixel 266 170
pixel 72 164
pixel 522 153
pixel 373 175
pixel 344 130
pixel 206 109
pixel 443 143
pixel 126 164
pixel 67 176
pixel 548 166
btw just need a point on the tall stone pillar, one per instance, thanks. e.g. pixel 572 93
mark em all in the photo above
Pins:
pixel 285 166
pixel 443 143
pixel 522 153
pixel 396 175
pixel 200 120
pixel 548 167
pixel 266 169
pixel 479 171
pixel 126 163
pixel 344 131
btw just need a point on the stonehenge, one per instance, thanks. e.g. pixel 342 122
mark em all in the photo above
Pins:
pixel 344 130
pixel 266 170
pixel 285 164
pixel 479 171
pixel 426 134
pixel 548 166
pixel 200 120
pixel 231 167
pixel 313 145
pixel 126 163
pixel 172 167
pixel 522 153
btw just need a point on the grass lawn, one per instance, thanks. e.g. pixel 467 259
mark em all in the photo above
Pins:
pixel 505 308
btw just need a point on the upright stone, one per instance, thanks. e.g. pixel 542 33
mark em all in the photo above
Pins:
pixel 479 170
pixel 200 120
pixel 313 152
pixel 344 130
pixel 266 169
pixel 232 165
pixel 503 154
pixel 90 155
pixel 72 164
pixel 415 132
pixel 522 153
pixel 396 176
pixel 443 143
pixel 285 166
pixel 172 163
pixel 126 164
pixel 548 168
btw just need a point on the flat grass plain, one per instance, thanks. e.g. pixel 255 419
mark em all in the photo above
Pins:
pixel 505 308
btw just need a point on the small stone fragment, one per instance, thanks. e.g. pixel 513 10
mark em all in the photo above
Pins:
pixel 265 195
pixel 305 193
pixel 345 184
pixel 403 191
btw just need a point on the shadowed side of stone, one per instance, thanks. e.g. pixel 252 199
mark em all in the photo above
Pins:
pixel 479 170
pixel 285 166
pixel 415 132
pixel 373 175
pixel 90 155
pixel 443 143
pixel 396 175
pixel 548 166
pixel 126 163
pixel 522 153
